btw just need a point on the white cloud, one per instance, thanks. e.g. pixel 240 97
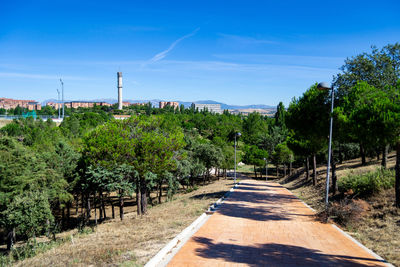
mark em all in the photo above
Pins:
pixel 164 53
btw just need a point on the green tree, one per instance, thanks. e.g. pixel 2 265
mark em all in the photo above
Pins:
pixel 146 143
pixel 254 156
pixel 28 214
pixel 282 156
pixel 308 118
pixel 280 115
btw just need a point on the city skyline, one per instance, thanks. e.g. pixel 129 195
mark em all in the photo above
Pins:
pixel 236 53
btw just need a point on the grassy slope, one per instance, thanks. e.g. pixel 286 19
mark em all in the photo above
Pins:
pixel 135 240
pixel 378 228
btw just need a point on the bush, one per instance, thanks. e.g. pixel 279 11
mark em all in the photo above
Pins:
pixel 29 213
pixel 367 184
pixel 348 211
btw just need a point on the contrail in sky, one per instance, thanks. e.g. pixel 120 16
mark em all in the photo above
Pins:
pixel 164 53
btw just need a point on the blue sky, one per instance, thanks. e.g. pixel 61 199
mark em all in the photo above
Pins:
pixel 236 52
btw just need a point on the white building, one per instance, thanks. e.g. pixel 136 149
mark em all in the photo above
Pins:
pixel 213 108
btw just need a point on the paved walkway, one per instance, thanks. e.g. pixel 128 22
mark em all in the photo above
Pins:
pixel 263 224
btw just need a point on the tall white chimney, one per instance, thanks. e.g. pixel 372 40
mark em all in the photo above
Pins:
pixel 119 75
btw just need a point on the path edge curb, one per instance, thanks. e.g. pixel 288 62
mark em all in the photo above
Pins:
pixel 176 243
pixel 346 234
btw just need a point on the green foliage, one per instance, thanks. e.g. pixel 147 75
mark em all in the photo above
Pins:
pixel 308 118
pixel 369 183
pixel 253 126
pixel 282 154
pixel 29 213
pixel 78 124
pixel 22 169
pixel 112 179
pixel 254 156
pixel 280 115
pixel 145 143
pixel 40 135
pixel 380 68
pixel 372 116
pixel 208 154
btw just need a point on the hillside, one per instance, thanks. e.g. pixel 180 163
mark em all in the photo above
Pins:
pixel 372 220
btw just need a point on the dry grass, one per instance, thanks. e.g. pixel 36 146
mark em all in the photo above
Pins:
pixel 4 122
pixel 133 241
pixel 378 228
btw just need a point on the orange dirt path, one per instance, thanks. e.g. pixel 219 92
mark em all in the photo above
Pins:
pixel 264 224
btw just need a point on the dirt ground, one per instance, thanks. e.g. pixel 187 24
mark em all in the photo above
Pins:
pixel 133 241
pixel 379 226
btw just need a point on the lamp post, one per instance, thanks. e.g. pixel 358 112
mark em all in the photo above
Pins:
pixel 326 86
pixel 62 89
pixel 236 135
pixel 266 169
pixel 58 103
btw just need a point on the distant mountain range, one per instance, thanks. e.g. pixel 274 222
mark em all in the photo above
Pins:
pixel 154 102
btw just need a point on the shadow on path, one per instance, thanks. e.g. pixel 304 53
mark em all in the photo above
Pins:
pixel 272 254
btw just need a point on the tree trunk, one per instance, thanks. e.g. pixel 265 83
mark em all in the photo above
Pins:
pixel 100 207
pixel 11 239
pixel 362 152
pixel 112 208
pixel 307 168
pixel 138 199
pixel 290 168
pixel 121 205
pixel 384 156
pixel 397 184
pixel 83 203
pixel 63 217
pixel 255 172
pixel 144 197
pixel 334 178
pixel 104 207
pixel 95 208
pixel 277 171
pixel 314 181
pixel 284 170
pixel 159 193
pixel 76 204
pixel 88 209
pixel 68 210
pixel 340 154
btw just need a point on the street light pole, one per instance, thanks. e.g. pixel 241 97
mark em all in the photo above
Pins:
pixel 236 135
pixel 62 89
pixel 325 86
pixel 58 103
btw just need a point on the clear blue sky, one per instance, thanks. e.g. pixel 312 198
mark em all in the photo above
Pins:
pixel 236 52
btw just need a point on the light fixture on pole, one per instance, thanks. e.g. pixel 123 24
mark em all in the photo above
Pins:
pixel 62 89
pixel 266 169
pixel 58 103
pixel 236 135
pixel 326 86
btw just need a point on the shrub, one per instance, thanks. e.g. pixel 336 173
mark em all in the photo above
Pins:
pixel 367 184
pixel 29 213
pixel 348 211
